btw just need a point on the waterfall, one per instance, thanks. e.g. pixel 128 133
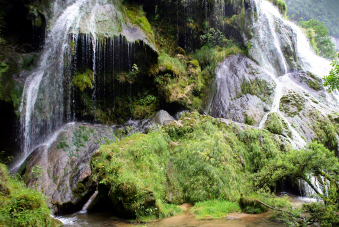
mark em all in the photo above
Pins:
pixel 72 44
pixel 268 51
pixel 45 83
pixel 88 203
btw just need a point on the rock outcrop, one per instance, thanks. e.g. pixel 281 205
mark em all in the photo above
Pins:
pixel 61 169
pixel 243 91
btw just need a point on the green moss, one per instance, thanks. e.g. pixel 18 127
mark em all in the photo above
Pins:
pixel 171 65
pixel 274 124
pixel 79 190
pixel 22 206
pixel 83 80
pixel 291 104
pixel 197 160
pixel 213 209
pixel 249 120
pixel 315 82
pixel 257 87
pixel 16 95
pixel 138 16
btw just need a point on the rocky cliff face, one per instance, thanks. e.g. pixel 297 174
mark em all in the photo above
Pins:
pixel 62 169
pixel 243 91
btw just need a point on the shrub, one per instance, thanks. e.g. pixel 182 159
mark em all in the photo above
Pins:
pixel 21 206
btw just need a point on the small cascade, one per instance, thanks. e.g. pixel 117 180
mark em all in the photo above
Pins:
pixel 297 141
pixel 48 142
pixel 266 44
pixel 320 184
pixel 88 203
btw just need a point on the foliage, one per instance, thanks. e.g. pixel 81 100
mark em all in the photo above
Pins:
pixel 274 124
pixel 83 80
pixel 145 106
pixel 319 38
pixel 214 37
pixel 313 161
pixel 325 11
pixel 171 65
pixel 214 209
pixel 332 80
pixel 21 206
pixel 251 205
pixel 281 6
pixel 249 120
pixel 197 160
pixel 133 170
pixel 3 69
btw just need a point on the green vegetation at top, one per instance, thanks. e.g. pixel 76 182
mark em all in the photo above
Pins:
pixel 281 6
pixel 319 38
pixel 137 16
pixel 325 10
pixel 22 206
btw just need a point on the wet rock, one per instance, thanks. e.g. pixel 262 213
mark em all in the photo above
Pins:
pixel 243 91
pixel 107 20
pixel 61 169
pixel 161 117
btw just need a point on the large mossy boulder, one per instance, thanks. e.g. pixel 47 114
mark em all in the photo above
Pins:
pixel 194 159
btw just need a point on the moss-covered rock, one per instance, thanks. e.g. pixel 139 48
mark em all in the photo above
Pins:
pixel 194 159
pixel 291 103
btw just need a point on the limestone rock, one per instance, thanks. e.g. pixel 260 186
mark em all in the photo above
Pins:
pixel 243 91
pixel 161 117
pixel 62 169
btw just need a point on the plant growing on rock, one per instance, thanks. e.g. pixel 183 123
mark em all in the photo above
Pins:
pixel 313 161
pixel 22 206
pixel 83 80
pixel 214 37
pixel 332 80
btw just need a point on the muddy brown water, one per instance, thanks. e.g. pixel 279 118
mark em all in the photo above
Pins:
pixel 185 220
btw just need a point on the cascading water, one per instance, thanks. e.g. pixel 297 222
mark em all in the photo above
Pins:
pixel 268 51
pixel 72 44
pixel 268 28
pixel 45 84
